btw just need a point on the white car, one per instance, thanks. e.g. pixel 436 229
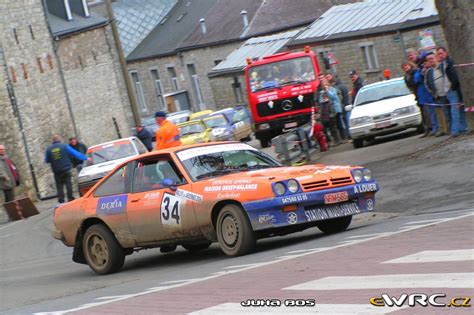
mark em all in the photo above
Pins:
pixel 383 108
pixel 105 157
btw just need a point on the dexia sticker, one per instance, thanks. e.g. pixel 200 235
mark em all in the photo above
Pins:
pixel 112 205
pixel 362 188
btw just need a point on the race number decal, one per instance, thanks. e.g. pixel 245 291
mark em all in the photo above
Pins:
pixel 170 210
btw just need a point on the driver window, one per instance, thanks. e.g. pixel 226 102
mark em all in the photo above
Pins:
pixel 114 185
pixel 149 174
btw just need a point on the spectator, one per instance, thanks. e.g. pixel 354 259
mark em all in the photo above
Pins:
pixel 451 73
pixel 412 56
pixel 441 85
pixel 336 103
pixel 167 135
pixel 357 84
pixel 145 137
pixel 328 117
pixel 8 176
pixel 59 156
pixel 343 94
pixel 79 147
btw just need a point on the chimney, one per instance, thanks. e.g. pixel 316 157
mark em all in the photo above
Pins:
pixel 245 19
pixel 203 25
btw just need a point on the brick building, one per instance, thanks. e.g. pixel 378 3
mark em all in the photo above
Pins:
pixel 60 75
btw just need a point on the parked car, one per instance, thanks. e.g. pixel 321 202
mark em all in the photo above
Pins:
pixel 105 157
pixel 221 127
pixel 383 108
pixel 179 117
pixel 194 132
pixel 229 193
pixel 200 115
pixel 240 121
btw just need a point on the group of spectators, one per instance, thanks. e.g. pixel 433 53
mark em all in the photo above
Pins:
pixel 432 77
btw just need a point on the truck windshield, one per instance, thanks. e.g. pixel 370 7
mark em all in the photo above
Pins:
pixel 276 74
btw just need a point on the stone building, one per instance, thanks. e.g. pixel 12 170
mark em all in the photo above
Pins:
pixel 60 75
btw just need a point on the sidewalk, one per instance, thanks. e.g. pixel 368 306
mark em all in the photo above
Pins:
pixel 41 205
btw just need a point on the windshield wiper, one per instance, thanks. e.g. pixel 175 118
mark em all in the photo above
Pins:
pixel 392 96
pixel 101 156
pixel 268 88
pixel 294 81
pixel 255 167
pixel 215 173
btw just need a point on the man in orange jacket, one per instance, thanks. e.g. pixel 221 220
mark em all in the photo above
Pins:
pixel 167 135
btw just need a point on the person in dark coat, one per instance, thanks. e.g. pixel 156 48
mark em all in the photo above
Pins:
pixel 59 156
pixel 145 136
pixel 80 147
pixel 357 84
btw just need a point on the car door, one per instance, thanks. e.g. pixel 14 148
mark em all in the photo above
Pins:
pixel 157 211
pixel 242 128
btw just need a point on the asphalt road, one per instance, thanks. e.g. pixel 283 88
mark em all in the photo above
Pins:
pixel 429 177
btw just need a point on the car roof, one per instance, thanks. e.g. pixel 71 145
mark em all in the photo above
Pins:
pixel 385 82
pixel 113 141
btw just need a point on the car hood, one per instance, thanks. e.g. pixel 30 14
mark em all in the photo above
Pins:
pixel 101 167
pixel 383 106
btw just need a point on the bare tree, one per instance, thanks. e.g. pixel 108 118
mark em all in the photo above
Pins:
pixel 457 20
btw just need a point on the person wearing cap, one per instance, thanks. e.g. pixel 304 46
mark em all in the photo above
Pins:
pixel 167 135
pixel 145 137
pixel 357 84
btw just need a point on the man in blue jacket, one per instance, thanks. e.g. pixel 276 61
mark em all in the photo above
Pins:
pixel 59 156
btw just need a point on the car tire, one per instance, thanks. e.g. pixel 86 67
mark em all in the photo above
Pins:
pixel 196 247
pixel 335 225
pixel 358 143
pixel 102 252
pixel 264 143
pixel 234 232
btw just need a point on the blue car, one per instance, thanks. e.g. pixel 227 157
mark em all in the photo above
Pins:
pixel 239 120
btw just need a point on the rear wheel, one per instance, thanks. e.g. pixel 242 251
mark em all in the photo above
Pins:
pixel 234 232
pixel 358 143
pixel 102 252
pixel 196 247
pixel 335 225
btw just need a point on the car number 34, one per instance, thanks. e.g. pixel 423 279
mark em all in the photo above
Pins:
pixel 170 210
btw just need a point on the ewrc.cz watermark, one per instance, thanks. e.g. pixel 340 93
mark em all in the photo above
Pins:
pixel 414 299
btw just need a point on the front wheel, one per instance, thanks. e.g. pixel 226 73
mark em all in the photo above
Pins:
pixel 335 225
pixel 102 252
pixel 234 232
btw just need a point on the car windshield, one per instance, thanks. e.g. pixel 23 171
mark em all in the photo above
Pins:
pixel 110 152
pixel 380 92
pixel 178 119
pixel 190 129
pixel 215 121
pixel 212 161
pixel 275 74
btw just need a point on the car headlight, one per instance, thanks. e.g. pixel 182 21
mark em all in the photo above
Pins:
pixel 367 174
pixel 263 126
pixel 360 121
pixel 293 186
pixel 280 189
pixel 403 111
pixel 357 175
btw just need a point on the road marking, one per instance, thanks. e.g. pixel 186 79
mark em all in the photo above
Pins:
pixel 357 309
pixel 307 250
pixel 365 235
pixel 7 235
pixel 423 221
pixel 405 281
pixel 9 225
pixel 434 256
pixel 245 266
pixel 223 273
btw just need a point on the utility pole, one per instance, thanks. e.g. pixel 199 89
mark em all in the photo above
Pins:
pixel 123 63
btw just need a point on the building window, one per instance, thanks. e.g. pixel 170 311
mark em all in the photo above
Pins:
pixel 173 79
pixel 138 90
pixel 238 93
pixel 158 87
pixel 370 57
pixel 196 86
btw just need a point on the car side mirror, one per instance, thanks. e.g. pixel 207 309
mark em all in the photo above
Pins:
pixel 169 183
pixel 348 108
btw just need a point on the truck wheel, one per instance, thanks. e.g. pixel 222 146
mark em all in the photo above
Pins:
pixel 196 247
pixel 234 232
pixel 335 225
pixel 102 252
pixel 358 143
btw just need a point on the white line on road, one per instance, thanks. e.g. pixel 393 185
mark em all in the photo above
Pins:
pixel 434 256
pixel 404 281
pixel 353 309
pixel 423 221
pixel 307 250
pixel 365 235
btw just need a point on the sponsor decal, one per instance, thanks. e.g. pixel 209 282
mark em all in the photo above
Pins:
pixel 304 177
pixel 333 211
pixel 231 181
pixel 267 97
pixel 231 187
pixel 292 218
pixel 152 195
pixel 294 199
pixel 189 195
pixel 369 203
pixel 362 188
pixel 211 149
pixel 170 210
pixel 228 195
pixel 112 205
pixel 266 218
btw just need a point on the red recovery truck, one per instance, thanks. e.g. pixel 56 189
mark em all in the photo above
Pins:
pixel 281 90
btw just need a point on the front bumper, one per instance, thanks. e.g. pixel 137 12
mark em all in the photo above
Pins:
pixel 269 214
pixel 396 124
pixel 57 234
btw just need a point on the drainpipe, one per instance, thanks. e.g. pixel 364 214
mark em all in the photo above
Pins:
pixel 402 42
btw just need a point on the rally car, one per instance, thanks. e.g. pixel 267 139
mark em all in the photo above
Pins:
pixel 194 195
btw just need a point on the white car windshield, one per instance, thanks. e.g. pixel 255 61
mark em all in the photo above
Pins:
pixel 111 151
pixel 190 129
pixel 381 91
pixel 212 161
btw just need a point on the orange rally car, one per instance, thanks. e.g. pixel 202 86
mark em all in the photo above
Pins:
pixel 198 194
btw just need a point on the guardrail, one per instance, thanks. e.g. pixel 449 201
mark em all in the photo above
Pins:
pixel 295 147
